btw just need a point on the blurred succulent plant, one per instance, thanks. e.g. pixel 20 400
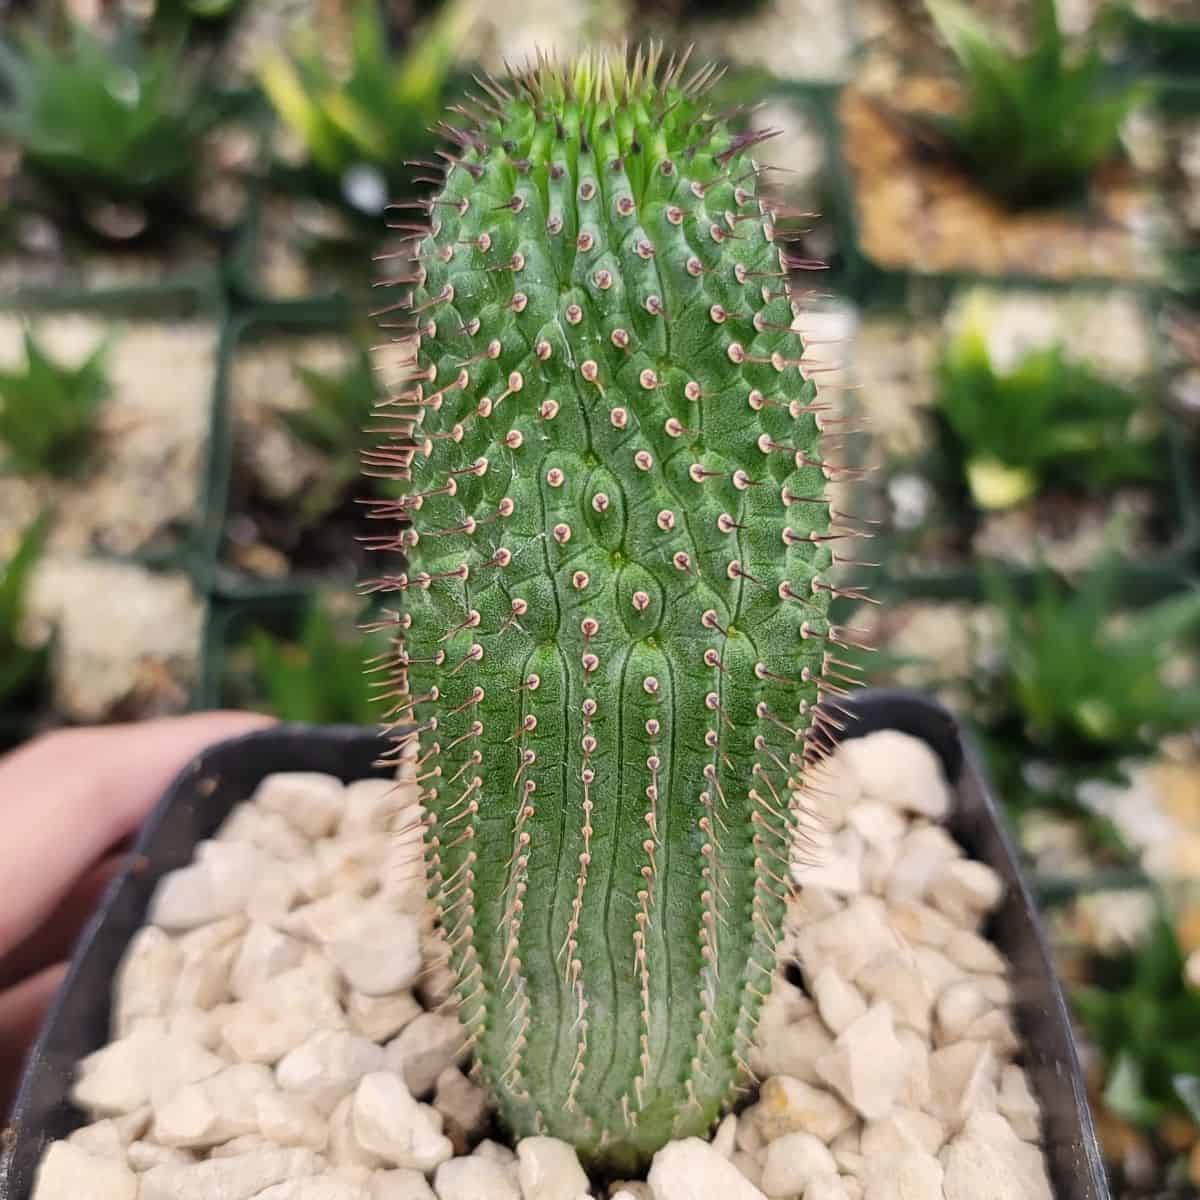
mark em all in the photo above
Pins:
pixel 49 413
pixel 200 10
pixel 118 121
pixel 1035 125
pixel 1143 1016
pixel 1048 418
pixel 360 126
pixel 20 664
pixel 316 676
pixel 1084 681
pixel 1157 43
pixel 333 424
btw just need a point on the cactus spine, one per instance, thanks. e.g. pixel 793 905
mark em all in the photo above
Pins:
pixel 614 631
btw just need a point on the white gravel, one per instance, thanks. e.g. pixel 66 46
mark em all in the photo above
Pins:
pixel 259 1053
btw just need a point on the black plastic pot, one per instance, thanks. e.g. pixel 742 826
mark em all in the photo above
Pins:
pixel 202 796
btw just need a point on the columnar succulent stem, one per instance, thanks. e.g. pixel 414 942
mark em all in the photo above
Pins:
pixel 614 628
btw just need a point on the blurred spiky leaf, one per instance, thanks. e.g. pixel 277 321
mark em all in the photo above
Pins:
pixel 1143 1017
pixel 317 677
pixel 1080 679
pixel 1048 419
pixel 1035 125
pixel 334 424
pixel 379 112
pixel 49 413
pixel 121 119
pixel 20 664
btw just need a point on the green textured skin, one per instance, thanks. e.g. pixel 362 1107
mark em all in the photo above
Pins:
pixel 614 662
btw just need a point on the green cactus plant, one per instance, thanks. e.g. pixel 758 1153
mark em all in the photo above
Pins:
pixel 614 648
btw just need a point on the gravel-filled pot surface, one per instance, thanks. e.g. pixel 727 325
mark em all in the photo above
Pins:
pixel 262 1010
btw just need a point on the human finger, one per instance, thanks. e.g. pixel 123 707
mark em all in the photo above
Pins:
pixel 67 798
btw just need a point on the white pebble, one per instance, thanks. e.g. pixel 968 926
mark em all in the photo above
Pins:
pixel 867 1065
pixel 749 1167
pixel 787 1105
pixel 920 857
pixel 794 1161
pixel 425 1049
pixel 381 1017
pixel 919 924
pixel 973 953
pixel 322 920
pixel 312 802
pixel 791 1050
pixel 216 885
pixel 283 1013
pixel 400 1184
pixel 315 1187
pixel 902 1131
pixel 268 831
pixel 876 823
pixel 344 1150
pixel 372 805
pixel 831 867
pixel 849 939
pixel 129 1073
pixel 938 970
pixel 141 1156
pixel 549 1169
pixel 102 1139
pixel 828 1187
pixel 145 979
pixel 497 1152
pixel 831 790
pixel 962 1080
pixel 899 770
pixel 349 866
pixel 1018 1104
pixel 237 1178
pixel 896 977
pixel 379 952
pixel 979 1169
pixel 68 1173
pixel 912 1176
pixel 474 1179
pixel 206 958
pixel 263 954
pixel 692 1170
pixel 389 1123
pixel 964 889
pixel 214 1110
pixel 290 1121
pixel 958 1005
pixel 724 1141
pixel 839 1003
pixel 464 1107
pixel 327 1067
